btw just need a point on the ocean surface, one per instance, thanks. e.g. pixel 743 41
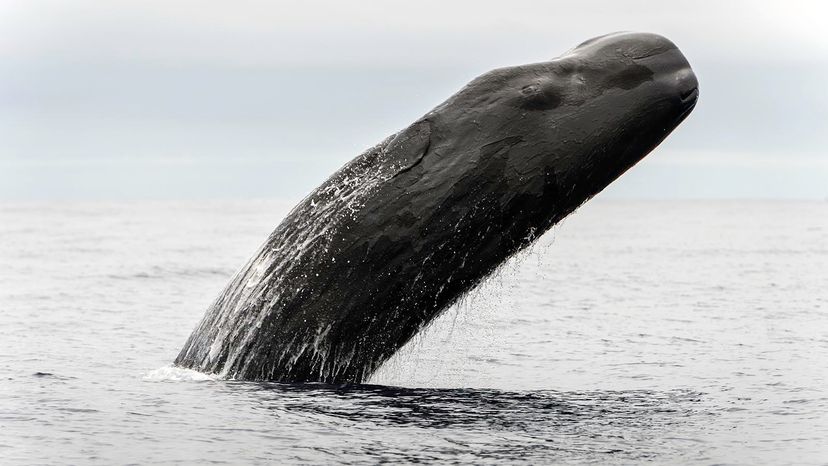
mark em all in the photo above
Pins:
pixel 691 332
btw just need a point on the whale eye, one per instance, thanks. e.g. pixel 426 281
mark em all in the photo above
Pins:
pixel 530 89
pixel 539 97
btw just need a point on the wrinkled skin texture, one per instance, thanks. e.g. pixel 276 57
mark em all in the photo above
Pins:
pixel 405 229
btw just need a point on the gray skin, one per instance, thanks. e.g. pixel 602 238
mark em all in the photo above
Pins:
pixel 405 229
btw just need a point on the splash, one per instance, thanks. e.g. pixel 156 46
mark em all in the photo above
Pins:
pixel 177 374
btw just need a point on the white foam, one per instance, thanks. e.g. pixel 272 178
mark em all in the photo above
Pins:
pixel 177 374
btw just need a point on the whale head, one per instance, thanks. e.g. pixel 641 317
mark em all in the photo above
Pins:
pixel 628 91
pixel 574 123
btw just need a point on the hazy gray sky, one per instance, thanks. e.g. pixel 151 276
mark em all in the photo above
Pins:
pixel 194 99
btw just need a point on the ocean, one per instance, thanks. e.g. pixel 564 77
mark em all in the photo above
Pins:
pixel 665 332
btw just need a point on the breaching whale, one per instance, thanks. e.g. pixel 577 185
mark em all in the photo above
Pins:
pixel 406 228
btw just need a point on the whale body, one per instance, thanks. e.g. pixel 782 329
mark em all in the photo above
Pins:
pixel 401 232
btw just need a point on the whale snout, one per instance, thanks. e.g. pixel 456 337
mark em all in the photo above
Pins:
pixel 668 64
pixel 680 81
pixel 661 57
pixel 687 86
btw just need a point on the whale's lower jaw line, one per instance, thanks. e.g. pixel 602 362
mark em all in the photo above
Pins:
pixel 404 230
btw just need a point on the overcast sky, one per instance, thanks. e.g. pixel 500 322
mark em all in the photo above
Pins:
pixel 198 99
